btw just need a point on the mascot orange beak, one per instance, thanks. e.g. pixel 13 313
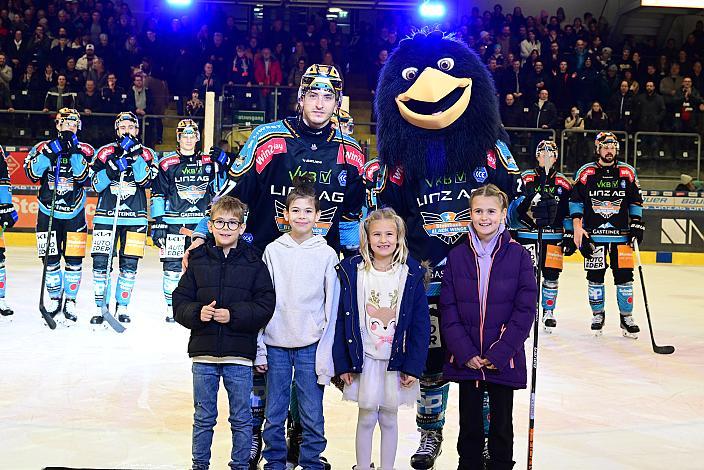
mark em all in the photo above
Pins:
pixel 431 102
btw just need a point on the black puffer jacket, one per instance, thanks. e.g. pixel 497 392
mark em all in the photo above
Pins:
pixel 240 283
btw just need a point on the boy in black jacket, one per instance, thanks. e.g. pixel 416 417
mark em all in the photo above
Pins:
pixel 225 298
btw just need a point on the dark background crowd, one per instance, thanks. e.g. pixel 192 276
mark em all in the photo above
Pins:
pixel 550 71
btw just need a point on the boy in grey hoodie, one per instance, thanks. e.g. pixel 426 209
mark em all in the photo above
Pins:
pixel 301 333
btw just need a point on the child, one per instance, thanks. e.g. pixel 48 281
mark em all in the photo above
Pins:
pixel 487 305
pixel 382 333
pixel 224 298
pixel 300 335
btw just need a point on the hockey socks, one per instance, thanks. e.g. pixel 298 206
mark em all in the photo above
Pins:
pixel 596 297
pixel 53 280
pixel 170 282
pixel 125 284
pixel 100 283
pixel 72 280
pixel 624 297
pixel 430 410
pixel 549 294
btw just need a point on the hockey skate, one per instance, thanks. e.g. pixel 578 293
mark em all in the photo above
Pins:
pixel 255 451
pixel 598 323
pixel 122 315
pixel 169 314
pixel 429 449
pixel 69 312
pixel 97 320
pixel 53 306
pixel 5 311
pixel 549 321
pixel 629 327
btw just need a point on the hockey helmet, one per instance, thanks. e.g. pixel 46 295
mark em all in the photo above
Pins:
pixel 546 146
pixel 187 126
pixel 321 77
pixel 68 114
pixel 126 116
pixel 604 138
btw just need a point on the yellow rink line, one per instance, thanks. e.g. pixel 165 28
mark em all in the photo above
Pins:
pixel 648 257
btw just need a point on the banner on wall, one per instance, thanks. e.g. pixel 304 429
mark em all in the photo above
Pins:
pixel 14 156
pixel 26 205
pixel 673 224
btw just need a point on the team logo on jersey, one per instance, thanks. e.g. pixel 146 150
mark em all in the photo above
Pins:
pixel 128 189
pixel 480 174
pixel 191 193
pixel 623 184
pixel 248 237
pixel 208 169
pixel 606 209
pixel 342 178
pixel 64 186
pixel 448 226
pixel 322 226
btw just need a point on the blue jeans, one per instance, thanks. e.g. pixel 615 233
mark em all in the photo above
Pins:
pixel 284 365
pixel 238 383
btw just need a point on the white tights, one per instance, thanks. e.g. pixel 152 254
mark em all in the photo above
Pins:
pixel 366 422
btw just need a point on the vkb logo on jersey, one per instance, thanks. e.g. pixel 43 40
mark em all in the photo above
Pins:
pixel 480 174
pixel 342 178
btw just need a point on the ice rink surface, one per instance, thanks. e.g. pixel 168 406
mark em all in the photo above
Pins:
pixel 82 398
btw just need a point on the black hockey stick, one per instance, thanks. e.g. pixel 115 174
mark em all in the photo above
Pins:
pixel 656 349
pixel 105 308
pixel 534 367
pixel 50 322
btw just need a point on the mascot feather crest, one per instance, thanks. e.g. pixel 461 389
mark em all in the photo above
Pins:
pixel 436 106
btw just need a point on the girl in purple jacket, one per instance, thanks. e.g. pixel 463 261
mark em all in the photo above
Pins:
pixel 487 307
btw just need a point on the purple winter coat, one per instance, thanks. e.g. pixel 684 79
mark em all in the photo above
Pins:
pixel 496 331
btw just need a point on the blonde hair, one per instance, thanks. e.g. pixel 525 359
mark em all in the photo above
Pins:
pixel 228 205
pixel 400 253
pixel 490 190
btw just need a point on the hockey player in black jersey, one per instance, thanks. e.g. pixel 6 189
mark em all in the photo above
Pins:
pixel 607 208
pixel 129 159
pixel 185 183
pixel 558 237
pixel 8 217
pixel 68 237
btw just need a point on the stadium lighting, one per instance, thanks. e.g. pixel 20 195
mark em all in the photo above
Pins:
pixel 432 9
pixel 180 3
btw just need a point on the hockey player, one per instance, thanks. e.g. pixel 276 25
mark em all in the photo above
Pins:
pixel 68 237
pixel 558 237
pixel 261 176
pixel 185 183
pixel 8 217
pixel 129 159
pixel 606 209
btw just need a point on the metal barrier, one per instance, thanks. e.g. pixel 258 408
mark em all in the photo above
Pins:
pixel 525 141
pixel 242 93
pixel 577 154
pixel 653 155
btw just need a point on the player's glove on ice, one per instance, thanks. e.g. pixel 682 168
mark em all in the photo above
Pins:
pixel 8 215
pixel 159 232
pixel 568 246
pixel 636 231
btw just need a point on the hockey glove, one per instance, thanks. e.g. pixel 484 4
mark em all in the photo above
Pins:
pixel 636 231
pixel 68 140
pixel 588 247
pixel 222 158
pixel 568 246
pixel 524 208
pixel 159 232
pixel 52 150
pixel 8 215
pixel 545 210
pixel 131 145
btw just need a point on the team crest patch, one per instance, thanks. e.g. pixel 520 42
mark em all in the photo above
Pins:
pixel 342 178
pixel 191 193
pixel 606 209
pixel 480 174
pixel 448 226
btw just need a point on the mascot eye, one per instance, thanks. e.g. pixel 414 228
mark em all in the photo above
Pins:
pixel 446 64
pixel 409 73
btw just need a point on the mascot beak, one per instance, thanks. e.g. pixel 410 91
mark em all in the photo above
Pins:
pixel 432 102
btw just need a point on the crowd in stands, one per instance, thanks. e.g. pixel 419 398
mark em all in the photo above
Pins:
pixel 549 72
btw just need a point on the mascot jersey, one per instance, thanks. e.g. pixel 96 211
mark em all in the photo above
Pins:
pixel 183 188
pixel 73 172
pixel 137 177
pixel 274 155
pixel 439 137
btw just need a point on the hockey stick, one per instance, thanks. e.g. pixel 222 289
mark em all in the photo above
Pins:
pixel 50 322
pixel 656 349
pixel 105 308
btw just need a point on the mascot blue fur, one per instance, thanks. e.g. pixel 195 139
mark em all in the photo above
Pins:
pixel 439 137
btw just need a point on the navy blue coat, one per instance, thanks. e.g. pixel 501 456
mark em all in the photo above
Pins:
pixel 412 338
